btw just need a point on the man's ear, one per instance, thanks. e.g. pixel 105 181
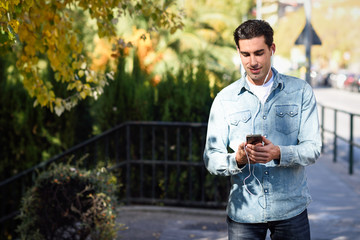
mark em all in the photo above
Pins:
pixel 273 48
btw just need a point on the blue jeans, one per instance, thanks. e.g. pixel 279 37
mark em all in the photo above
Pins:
pixel 289 229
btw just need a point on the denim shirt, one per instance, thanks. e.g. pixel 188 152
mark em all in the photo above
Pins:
pixel 289 120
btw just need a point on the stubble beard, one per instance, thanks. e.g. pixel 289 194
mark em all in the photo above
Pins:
pixel 256 78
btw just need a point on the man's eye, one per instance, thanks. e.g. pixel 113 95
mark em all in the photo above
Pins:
pixel 259 54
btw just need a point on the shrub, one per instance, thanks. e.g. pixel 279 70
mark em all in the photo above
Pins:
pixel 69 203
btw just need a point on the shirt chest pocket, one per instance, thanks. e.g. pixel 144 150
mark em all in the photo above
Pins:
pixel 240 117
pixel 287 118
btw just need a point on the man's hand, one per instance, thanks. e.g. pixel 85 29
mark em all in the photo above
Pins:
pixel 257 153
pixel 240 156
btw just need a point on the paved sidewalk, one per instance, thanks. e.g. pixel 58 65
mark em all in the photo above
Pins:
pixel 334 213
pixel 335 210
pixel 172 223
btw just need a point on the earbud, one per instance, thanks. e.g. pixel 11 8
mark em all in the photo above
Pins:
pixel 272 52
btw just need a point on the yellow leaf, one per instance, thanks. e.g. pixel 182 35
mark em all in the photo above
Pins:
pixel 58 102
pixel 48 33
pixel 83 65
pixel 55 63
pixel 16 2
pixel 83 94
pixel 51 95
pixel 4 5
pixel 74 65
pixel 57 76
pixel 87 87
pixel 14 25
pixel 173 30
pixel 81 73
pixel 89 78
pixel 56 19
pixel 42 100
pixel 71 86
pixel 73 40
pixel 29 3
pixel 56 34
pixel 23 58
pixel 78 85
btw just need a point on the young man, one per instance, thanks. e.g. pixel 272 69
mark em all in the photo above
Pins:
pixel 269 187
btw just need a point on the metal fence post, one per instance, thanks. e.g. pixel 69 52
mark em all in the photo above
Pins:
pixel 153 184
pixel 190 168
pixel 178 150
pixel 322 127
pixel 166 179
pixel 335 134
pixel 128 166
pixel 351 146
pixel 142 161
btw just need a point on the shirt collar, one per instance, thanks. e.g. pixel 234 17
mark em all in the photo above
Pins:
pixel 278 82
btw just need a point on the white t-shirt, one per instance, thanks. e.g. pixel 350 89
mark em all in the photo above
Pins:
pixel 262 91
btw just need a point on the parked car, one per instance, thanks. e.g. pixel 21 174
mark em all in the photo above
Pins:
pixel 320 78
pixel 338 80
pixel 350 79
pixel 355 86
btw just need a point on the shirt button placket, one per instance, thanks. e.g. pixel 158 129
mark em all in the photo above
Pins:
pixel 266 172
pixel 266 190
pixel 266 200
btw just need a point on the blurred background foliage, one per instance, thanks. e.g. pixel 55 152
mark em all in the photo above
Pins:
pixel 55 30
pixel 335 22
pixel 169 73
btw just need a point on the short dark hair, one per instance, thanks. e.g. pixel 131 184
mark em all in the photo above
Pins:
pixel 254 28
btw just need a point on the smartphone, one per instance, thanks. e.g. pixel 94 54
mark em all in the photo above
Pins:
pixel 253 139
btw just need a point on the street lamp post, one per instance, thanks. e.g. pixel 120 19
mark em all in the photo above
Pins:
pixel 308 39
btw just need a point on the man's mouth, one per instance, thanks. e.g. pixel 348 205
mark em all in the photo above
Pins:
pixel 255 70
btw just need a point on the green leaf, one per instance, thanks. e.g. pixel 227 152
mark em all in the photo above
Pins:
pixel 154 16
pixel 4 38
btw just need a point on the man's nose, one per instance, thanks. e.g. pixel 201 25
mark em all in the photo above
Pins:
pixel 253 61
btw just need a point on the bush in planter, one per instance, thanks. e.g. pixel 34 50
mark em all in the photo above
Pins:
pixel 69 203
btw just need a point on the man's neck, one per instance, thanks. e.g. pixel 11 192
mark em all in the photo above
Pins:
pixel 261 82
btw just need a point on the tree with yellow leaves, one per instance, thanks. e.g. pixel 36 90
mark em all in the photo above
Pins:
pixel 37 29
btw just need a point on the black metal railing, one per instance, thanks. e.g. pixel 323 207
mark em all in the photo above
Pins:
pixel 156 162
pixel 161 163
pixel 344 130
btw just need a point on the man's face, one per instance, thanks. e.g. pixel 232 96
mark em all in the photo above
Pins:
pixel 256 58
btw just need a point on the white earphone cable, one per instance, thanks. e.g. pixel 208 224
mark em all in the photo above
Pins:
pixel 251 173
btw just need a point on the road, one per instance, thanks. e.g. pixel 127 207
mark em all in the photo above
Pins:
pixel 340 99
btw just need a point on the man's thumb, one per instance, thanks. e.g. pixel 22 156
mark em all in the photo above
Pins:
pixel 265 140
